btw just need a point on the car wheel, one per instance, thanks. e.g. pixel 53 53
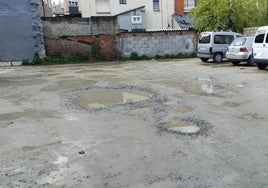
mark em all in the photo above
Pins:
pixel 250 61
pixel 235 62
pixel 261 66
pixel 204 59
pixel 218 58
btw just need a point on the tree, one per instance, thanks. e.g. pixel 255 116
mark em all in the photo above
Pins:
pixel 234 15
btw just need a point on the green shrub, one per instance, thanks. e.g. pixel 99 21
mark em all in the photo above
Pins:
pixel 76 58
pixel 157 56
pixel 26 62
pixel 37 60
pixel 97 56
pixel 144 57
pixel 134 56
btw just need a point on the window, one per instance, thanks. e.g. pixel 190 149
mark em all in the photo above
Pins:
pixel 266 41
pixel 188 5
pixel 204 38
pixel 103 6
pixel 223 39
pixel 136 19
pixel 156 5
pixel 259 38
pixel 123 1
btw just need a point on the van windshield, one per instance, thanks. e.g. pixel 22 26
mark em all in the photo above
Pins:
pixel 204 38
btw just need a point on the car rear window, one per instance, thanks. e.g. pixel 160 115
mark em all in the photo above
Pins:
pixel 204 38
pixel 239 42
pixel 223 39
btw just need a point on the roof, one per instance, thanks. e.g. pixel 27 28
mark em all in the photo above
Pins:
pixel 184 21
pixel 130 10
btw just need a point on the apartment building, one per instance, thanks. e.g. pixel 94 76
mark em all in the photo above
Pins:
pixel 147 14
pixel 45 8
pixel 154 14
pixel 180 16
pixel 71 7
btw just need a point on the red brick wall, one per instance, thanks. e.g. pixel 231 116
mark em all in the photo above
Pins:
pixel 179 6
pixel 72 44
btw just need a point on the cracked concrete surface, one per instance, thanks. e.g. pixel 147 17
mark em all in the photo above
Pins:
pixel 179 123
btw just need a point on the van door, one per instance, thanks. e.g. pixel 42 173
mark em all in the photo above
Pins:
pixel 265 46
pixel 259 44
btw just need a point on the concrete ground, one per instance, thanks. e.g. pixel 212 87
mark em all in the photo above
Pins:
pixel 159 124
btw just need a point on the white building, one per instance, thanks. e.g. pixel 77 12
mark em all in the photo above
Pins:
pixel 151 14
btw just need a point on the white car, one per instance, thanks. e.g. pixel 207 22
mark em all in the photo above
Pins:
pixel 240 50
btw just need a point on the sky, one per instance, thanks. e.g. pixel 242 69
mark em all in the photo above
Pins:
pixel 56 1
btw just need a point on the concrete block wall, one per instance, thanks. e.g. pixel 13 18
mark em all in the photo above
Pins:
pixel 74 26
pixel 250 31
pixel 154 43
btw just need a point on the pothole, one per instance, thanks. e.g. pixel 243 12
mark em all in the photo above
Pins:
pixel 183 127
pixel 99 98
pixel 187 126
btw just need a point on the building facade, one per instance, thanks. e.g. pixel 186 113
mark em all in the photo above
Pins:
pixel 45 8
pixel 157 13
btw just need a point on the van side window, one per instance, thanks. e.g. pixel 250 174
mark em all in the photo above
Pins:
pixel 266 39
pixel 223 39
pixel 259 38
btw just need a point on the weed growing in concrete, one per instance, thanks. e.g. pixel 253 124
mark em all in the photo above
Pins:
pixel 97 56
pixel 57 58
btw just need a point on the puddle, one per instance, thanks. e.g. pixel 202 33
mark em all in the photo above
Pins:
pixel 183 127
pixel 69 84
pixel 231 104
pixel 200 89
pixel 184 109
pixel 107 97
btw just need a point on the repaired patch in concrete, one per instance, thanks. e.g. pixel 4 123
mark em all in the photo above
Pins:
pixel 184 109
pixel 231 104
pixel 140 111
pixel 250 117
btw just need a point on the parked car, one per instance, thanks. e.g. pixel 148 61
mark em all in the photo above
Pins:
pixel 240 50
pixel 260 48
pixel 213 45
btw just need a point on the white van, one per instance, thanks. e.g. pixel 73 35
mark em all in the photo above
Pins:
pixel 214 45
pixel 260 48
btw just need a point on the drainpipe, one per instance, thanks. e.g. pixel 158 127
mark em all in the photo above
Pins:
pixel 161 10
pixel 43 6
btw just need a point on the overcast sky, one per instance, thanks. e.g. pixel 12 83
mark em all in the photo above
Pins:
pixel 56 1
